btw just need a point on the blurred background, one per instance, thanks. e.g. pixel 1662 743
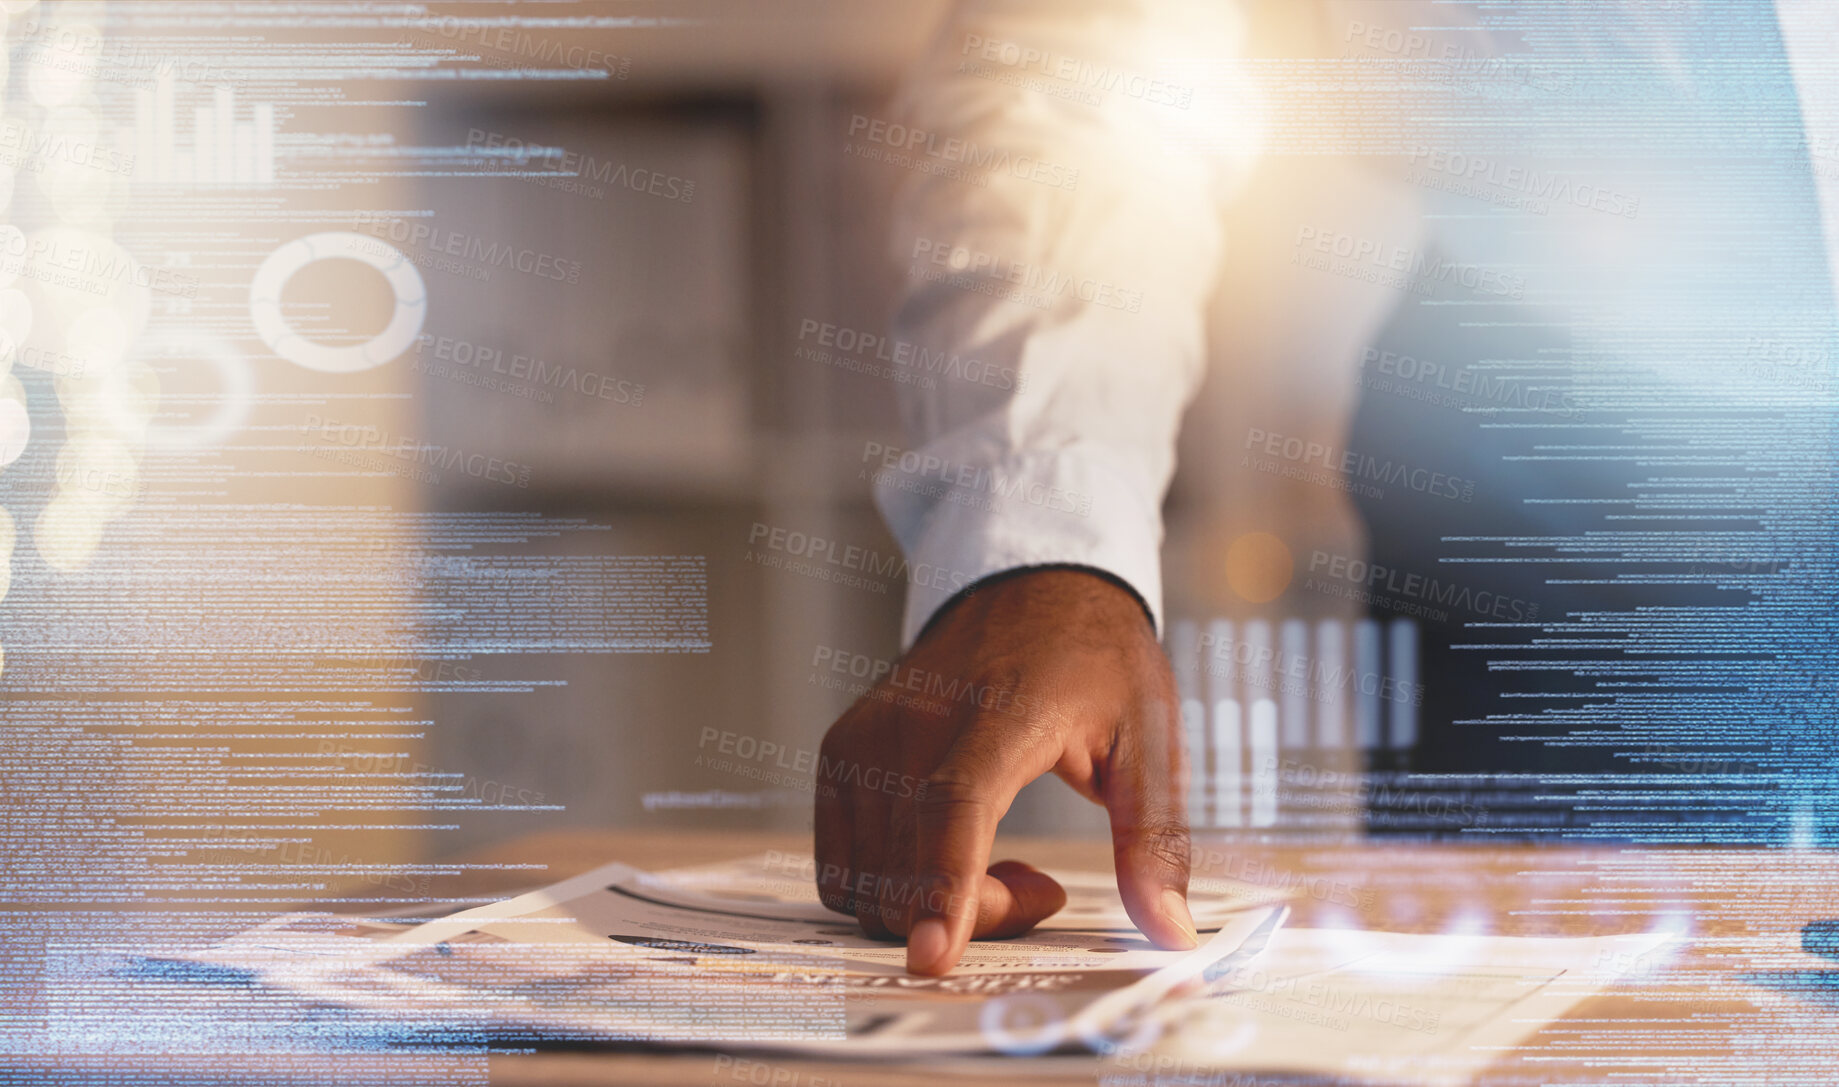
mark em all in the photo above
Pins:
pixel 440 423
pixel 728 306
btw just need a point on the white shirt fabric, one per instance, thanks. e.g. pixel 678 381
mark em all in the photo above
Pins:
pixel 1092 295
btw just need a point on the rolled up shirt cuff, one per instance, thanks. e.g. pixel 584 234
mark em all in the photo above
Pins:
pixel 1077 506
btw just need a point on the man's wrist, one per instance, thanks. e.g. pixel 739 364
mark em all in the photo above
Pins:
pixel 990 581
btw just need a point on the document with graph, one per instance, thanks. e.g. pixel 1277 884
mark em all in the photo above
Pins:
pixel 733 956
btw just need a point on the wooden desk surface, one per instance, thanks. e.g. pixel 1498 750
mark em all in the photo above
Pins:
pixel 1694 1019
pixel 1697 1016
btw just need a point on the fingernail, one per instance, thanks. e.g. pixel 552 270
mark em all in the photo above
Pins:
pixel 926 947
pixel 1175 908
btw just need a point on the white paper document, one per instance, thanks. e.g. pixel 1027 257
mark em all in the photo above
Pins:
pixel 723 957
pixel 741 955
pixel 1391 1007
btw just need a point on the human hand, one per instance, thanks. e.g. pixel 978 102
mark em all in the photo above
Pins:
pixel 1053 669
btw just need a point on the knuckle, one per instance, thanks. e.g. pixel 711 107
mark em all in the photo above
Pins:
pixel 952 797
pixel 1165 841
pixel 1023 726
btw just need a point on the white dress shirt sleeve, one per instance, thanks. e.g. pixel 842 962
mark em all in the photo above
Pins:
pixel 1060 238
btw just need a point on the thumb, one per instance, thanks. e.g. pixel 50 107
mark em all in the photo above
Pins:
pixel 1143 788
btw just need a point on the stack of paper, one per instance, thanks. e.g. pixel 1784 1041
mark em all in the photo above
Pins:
pixel 741 955
pixel 734 956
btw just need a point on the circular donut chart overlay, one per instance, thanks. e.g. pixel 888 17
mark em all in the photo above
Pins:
pixel 233 374
pixel 279 267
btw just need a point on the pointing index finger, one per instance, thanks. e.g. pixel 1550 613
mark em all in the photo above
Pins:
pixel 955 829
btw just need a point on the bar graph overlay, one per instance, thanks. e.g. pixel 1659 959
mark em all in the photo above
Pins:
pixel 192 134
pixel 1282 719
